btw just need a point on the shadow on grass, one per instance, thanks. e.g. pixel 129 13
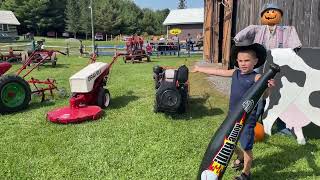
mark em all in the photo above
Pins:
pixel 39 104
pixel 288 156
pixel 196 109
pixel 122 101
pixel 32 106
pixel 48 65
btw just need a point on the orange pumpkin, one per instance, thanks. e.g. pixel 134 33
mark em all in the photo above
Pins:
pixel 271 17
pixel 258 132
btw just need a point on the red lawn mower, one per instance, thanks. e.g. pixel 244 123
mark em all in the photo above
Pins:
pixel 89 95
pixel 15 91
pixel 134 50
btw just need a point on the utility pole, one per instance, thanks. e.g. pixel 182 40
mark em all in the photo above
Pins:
pixel 92 27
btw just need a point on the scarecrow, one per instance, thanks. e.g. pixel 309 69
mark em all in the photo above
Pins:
pixel 270 33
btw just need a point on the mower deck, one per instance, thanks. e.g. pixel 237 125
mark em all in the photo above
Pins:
pixel 68 114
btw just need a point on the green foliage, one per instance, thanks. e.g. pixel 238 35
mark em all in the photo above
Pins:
pixel 72 16
pixel 85 19
pixel 38 15
pixel 110 16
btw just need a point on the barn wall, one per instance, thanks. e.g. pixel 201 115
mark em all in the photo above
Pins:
pixel 303 14
pixel 193 29
pixel 12 30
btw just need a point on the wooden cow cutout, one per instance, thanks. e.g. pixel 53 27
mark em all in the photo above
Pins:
pixel 296 97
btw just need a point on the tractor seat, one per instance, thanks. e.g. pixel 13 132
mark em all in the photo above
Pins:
pixel 4 67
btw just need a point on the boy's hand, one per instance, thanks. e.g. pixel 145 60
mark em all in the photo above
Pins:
pixel 271 83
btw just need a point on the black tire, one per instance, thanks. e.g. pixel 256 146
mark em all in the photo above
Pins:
pixel 103 98
pixel 168 97
pixel 155 107
pixel 16 82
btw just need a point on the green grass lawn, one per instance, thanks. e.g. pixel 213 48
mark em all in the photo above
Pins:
pixel 130 141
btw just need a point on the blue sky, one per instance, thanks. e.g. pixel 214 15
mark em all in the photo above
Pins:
pixel 170 4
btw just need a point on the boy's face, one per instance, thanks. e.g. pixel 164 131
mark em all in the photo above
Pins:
pixel 246 62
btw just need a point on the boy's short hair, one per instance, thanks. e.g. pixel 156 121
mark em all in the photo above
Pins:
pixel 249 51
pixel 258 49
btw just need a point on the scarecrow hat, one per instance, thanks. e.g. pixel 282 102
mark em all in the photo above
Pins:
pixel 259 49
pixel 267 7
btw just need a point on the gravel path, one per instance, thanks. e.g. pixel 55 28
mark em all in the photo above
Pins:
pixel 222 84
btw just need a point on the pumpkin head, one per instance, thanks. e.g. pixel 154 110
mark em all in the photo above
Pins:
pixel 271 15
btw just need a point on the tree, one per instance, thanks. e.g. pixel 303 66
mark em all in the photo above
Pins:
pixel 85 18
pixel 182 4
pixel 72 17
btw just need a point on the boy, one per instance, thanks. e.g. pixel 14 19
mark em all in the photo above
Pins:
pixel 246 58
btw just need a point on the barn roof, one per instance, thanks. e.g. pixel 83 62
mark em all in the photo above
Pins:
pixel 7 17
pixel 185 16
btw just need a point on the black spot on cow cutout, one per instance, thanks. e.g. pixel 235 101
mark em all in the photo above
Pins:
pixel 314 99
pixel 311 57
pixel 311 131
pixel 293 76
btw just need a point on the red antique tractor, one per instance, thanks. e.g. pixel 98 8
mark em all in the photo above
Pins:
pixel 134 50
pixel 15 91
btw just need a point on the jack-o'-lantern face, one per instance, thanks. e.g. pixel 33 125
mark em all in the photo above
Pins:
pixel 271 17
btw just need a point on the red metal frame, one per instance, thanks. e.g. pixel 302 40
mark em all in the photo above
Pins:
pixel 49 82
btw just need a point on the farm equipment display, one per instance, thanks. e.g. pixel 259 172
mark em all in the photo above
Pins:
pixel 12 57
pixel 89 94
pixel 43 56
pixel 172 89
pixel 134 50
pixel 15 91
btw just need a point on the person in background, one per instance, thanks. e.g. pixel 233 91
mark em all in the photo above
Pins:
pixel 149 49
pixel 81 47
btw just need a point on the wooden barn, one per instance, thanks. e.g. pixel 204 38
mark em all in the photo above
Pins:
pixel 224 18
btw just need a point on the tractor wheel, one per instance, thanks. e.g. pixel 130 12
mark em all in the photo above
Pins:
pixel 15 93
pixel 103 98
